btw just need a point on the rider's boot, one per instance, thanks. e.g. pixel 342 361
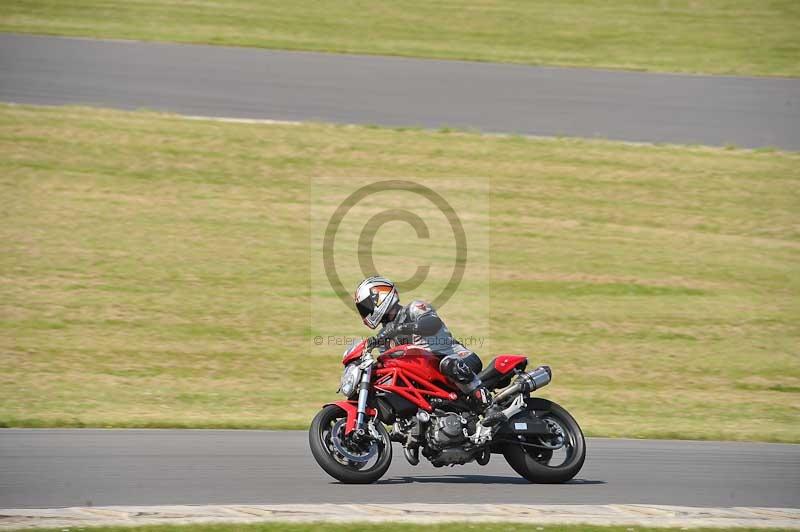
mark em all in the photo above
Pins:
pixel 459 371
pixel 480 399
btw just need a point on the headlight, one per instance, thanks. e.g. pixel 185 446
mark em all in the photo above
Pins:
pixel 350 378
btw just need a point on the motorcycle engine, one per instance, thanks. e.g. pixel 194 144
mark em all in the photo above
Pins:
pixel 448 440
pixel 447 431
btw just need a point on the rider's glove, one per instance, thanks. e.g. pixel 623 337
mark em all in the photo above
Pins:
pixel 391 330
pixel 372 343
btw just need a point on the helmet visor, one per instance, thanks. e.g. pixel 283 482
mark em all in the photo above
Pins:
pixel 365 307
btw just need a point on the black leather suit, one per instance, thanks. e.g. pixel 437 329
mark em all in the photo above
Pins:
pixel 418 323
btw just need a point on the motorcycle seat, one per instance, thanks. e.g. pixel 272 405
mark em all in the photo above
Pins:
pixel 500 370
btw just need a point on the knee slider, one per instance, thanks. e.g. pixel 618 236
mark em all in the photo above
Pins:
pixel 455 368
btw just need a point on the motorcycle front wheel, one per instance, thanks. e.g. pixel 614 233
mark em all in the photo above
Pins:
pixel 549 460
pixel 338 455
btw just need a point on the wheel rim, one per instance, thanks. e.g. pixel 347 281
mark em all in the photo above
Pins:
pixel 357 454
pixel 559 449
pixel 342 450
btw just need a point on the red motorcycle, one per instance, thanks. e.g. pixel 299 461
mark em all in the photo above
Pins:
pixel 404 389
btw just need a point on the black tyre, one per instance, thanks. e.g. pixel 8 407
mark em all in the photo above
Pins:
pixel 342 458
pixel 549 466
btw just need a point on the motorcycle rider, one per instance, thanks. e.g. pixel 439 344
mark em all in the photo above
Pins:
pixel 378 302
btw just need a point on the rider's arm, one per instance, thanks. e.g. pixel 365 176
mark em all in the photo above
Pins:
pixel 427 324
pixel 423 322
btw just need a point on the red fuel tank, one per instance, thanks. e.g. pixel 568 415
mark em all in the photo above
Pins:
pixel 412 358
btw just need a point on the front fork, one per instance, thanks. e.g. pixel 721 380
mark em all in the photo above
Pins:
pixel 363 395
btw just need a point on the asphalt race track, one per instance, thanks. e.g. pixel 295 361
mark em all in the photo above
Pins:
pixel 88 467
pixel 253 83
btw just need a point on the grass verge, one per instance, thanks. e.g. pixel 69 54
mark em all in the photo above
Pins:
pixel 746 37
pixel 155 272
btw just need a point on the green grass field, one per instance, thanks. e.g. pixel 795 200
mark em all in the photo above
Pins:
pixel 155 272
pixel 746 37
pixel 386 527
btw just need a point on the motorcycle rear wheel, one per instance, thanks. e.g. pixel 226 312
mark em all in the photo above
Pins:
pixel 533 463
pixel 327 425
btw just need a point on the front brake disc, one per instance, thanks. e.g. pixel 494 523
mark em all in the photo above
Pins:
pixel 345 451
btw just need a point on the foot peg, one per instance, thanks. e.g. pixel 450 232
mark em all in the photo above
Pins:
pixel 494 418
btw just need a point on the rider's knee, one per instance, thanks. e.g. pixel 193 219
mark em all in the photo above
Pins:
pixel 473 361
pixel 461 367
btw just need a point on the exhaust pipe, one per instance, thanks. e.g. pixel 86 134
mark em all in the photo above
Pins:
pixel 526 383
